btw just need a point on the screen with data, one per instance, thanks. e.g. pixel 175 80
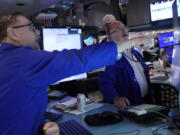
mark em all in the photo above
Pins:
pixel 162 9
pixel 63 38
pixel 166 39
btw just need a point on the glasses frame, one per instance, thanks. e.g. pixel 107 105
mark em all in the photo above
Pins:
pixel 26 25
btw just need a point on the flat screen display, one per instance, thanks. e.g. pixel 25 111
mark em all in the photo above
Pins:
pixel 90 40
pixel 178 7
pixel 166 39
pixel 63 38
pixel 162 10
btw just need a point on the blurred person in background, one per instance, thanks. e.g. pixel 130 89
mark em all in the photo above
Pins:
pixel 126 82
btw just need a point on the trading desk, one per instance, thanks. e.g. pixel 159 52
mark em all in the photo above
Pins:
pixel 124 127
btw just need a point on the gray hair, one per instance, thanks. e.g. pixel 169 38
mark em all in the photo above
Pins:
pixel 108 18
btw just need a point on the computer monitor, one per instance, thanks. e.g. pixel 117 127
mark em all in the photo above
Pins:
pixel 90 35
pixel 63 38
pixel 162 10
pixel 90 40
pixel 166 39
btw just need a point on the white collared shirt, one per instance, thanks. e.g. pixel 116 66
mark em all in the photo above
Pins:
pixel 138 71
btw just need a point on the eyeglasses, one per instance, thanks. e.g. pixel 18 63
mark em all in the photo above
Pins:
pixel 119 29
pixel 32 27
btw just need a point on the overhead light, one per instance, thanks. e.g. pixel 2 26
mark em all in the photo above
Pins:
pixel 20 4
pixel 46 16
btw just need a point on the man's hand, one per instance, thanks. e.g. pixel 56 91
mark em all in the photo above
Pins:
pixel 51 128
pixel 121 102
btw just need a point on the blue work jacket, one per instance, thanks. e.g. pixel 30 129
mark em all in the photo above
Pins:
pixel 25 73
pixel 119 80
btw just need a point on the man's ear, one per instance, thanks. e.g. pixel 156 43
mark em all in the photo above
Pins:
pixel 11 33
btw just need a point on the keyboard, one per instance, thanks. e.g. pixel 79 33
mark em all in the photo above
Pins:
pixel 165 94
pixel 72 127
pixel 52 116
pixel 148 107
pixel 144 112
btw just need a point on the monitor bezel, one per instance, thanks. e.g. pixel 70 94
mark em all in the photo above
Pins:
pixel 164 34
pixel 158 21
pixel 42 47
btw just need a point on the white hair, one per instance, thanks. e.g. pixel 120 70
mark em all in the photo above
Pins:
pixel 108 18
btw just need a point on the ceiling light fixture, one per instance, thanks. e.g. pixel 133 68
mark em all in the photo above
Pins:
pixel 20 4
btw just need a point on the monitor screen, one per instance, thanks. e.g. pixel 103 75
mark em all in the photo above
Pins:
pixel 63 38
pixel 178 7
pixel 90 40
pixel 166 39
pixel 90 35
pixel 161 10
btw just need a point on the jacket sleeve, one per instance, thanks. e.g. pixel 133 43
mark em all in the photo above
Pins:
pixel 106 81
pixel 41 68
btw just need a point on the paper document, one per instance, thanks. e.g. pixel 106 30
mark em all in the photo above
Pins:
pixel 87 108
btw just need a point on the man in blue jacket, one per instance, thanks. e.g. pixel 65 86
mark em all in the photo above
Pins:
pixel 127 81
pixel 26 71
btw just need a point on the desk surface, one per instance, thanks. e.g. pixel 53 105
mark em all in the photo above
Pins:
pixel 124 126
pixel 160 78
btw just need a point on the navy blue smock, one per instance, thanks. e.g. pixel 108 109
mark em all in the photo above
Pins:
pixel 25 73
pixel 119 80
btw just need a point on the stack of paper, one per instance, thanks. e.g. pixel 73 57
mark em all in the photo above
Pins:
pixel 67 104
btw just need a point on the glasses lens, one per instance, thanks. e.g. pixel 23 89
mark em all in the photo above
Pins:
pixel 31 26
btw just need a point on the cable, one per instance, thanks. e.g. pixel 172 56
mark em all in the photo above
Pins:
pixel 155 132
pixel 170 125
pixel 161 114
pixel 137 131
pixel 171 121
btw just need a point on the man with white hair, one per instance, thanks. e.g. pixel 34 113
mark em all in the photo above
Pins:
pixel 108 19
pixel 127 81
